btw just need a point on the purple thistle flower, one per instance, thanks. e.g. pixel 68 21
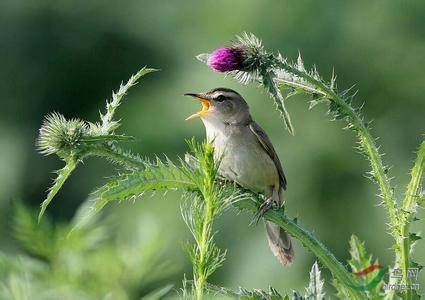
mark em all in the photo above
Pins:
pixel 227 59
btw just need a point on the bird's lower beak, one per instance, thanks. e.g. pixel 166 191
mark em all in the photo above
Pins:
pixel 205 105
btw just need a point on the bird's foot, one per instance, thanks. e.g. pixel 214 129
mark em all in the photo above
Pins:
pixel 264 207
pixel 222 181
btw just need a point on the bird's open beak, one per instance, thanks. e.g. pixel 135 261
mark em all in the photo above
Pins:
pixel 205 105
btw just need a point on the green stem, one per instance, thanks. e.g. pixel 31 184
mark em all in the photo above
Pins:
pixel 210 196
pixel 366 139
pixel 408 210
pixel 309 241
pixel 203 247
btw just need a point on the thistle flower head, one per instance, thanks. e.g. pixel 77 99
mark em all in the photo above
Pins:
pixel 58 135
pixel 227 59
pixel 244 58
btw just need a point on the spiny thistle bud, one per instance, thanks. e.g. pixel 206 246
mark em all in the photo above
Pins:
pixel 58 135
pixel 244 58
pixel 227 59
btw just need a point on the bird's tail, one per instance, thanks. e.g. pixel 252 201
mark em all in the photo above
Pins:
pixel 280 243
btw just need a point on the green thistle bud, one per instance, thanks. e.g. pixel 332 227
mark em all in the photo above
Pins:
pixel 60 136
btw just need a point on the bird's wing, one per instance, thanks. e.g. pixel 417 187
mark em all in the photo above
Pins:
pixel 265 142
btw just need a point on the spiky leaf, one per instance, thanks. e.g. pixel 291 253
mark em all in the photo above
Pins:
pixel 360 260
pixel 108 125
pixel 314 291
pixel 62 175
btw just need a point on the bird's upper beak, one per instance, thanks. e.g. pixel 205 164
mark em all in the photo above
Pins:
pixel 206 104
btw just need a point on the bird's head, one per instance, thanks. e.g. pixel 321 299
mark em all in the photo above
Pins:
pixel 221 105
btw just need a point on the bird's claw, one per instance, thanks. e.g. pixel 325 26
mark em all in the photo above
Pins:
pixel 264 207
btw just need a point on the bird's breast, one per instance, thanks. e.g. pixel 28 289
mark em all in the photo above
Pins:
pixel 243 159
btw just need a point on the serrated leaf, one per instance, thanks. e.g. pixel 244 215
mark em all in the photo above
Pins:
pixel 62 175
pixel 108 125
pixel 245 294
pixel 155 176
pixel 360 262
pixel 315 287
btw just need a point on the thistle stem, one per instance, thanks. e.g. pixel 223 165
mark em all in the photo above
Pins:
pixel 366 140
pixel 205 247
pixel 309 241
pixel 200 278
pixel 408 210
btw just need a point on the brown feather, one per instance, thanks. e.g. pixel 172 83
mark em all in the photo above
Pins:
pixel 265 142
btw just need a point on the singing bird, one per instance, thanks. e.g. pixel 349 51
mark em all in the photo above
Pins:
pixel 246 156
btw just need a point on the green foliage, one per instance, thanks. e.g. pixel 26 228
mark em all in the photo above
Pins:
pixel 108 124
pixel 74 140
pixel 33 237
pixel 308 240
pixel 205 200
pixel 62 176
pixel 359 261
pixel 244 294
pixel 206 196
pixel 200 210
pixel 197 177
pixel 314 290
pixel 92 263
pixel 153 176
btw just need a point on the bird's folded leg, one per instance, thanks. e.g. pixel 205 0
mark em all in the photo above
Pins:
pixel 264 207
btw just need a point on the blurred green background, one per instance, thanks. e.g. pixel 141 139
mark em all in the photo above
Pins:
pixel 67 56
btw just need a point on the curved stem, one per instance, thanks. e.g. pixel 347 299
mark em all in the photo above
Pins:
pixel 370 149
pixel 308 240
pixel 366 140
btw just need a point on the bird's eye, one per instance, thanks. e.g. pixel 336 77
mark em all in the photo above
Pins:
pixel 220 98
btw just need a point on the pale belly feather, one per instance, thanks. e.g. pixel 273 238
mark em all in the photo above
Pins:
pixel 244 161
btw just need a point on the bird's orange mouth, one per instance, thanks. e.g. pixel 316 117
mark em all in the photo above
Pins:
pixel 206 104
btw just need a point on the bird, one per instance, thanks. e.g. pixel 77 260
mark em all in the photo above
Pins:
pixel 246 156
